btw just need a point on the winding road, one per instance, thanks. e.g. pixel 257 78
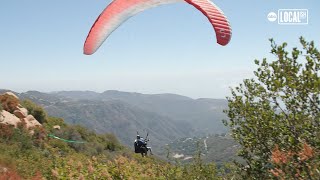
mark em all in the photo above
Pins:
pixel 205 144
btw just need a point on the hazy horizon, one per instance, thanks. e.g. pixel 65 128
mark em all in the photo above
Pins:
pixel 169 93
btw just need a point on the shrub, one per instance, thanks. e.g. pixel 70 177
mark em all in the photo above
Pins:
pixel 52 121
pixel 36 111
pixel 6 132
pixel 9 103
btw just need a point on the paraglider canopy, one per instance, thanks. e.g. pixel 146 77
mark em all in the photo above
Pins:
pixel 118 11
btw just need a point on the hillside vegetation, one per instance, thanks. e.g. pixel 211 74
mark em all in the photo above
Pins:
pixel 167 116
pixel 79 153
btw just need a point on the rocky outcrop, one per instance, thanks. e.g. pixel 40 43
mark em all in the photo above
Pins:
pixel 13 113
pixel 10 94
pixel 31 121
pixel 9 119
pixel 21 113
pixel 9 101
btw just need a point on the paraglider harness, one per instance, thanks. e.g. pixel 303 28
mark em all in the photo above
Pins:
pixel 140 145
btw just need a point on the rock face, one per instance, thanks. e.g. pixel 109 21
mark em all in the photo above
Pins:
pixel 13 112
pixel 10 94
pixel 31 121
pixel 20 113
pixel 9 119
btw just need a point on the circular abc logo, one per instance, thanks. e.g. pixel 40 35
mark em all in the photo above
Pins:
pixel 272 16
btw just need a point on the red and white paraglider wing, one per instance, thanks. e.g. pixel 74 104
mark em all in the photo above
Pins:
pixel 217 19
pixel 118 11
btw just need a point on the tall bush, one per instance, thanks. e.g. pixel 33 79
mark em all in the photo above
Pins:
pixel 277 115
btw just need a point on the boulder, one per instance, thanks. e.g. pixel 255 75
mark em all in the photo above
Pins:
pixel 10 94
pixel 14 113
pixel 31 121
pixel 8 118
pixel 30 118
pixel 19 106
pixel 24 110
pixel 21 113
pixel 57 127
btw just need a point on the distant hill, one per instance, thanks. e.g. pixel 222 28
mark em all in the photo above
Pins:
pixel 118 118
pixel 166 116
pixel 203 114
pixel 219 148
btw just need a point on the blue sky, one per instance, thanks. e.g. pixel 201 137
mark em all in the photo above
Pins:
pixel 168 49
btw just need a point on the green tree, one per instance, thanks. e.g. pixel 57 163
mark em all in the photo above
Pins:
pixel 276 115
